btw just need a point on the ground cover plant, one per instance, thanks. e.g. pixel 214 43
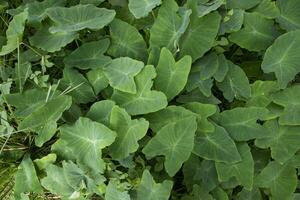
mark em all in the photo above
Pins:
pixel 150 99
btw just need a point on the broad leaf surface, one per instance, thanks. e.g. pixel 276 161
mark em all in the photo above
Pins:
pixel 141 8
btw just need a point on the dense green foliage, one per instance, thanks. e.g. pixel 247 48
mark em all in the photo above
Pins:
pixel 150 99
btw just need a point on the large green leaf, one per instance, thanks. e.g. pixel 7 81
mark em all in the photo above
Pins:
pixel 26 179
pixel 257 34
pixel 89 55
pixel 128 133
pixel 282 58
pixel 171 114
pixel 169 26
pixel 171 75
pixel 243 170
pixel 289 16
pixel 51 42
pixel 203 111
pixel 202 31
pixel 241 123
pixel 121 72
pixel 14 33
pixel 234 23
pixel 217 146
pixel 235 84
pixel 175 142
pixel 86 139
pixel 77 86
pixel 145 100
pixel 268 9
pixel 150 190
pixel 79 17
pixel 283 141
pixel 126 41
pixel 141 8
pixel 280 179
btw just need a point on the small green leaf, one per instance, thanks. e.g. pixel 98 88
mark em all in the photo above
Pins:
pixel 89 55
pixel 86 139
pixel 113 193
pixel 128 133
pixel 280 179
pixel 175 142
pixel 97 79
pixel 101 111
pixel 145 100
pixel 150 190
pixel 126 41
pixel 121 72
pixel 242 4
pixel 14 33
pixel 282 58
pixel 26 179
pixel 171 75
pixel 243 170
pixel 79 17
pixel 45 161
pixel 142 8
pixel 217 146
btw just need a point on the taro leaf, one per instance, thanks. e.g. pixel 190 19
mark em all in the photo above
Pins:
pixel 170 114
pixel 77 179
pixel 203 111
pixel 174 141
pixel 217 146
pixel 145 100
pixel 234 23
pixel 79 17
pixel 243 170
pixel 283 141
pixel 289 18
pixel 241 123
pixel 201 31
pixel 79 87
pixel 45 161
pixel 49 42
pixel 150 190
pixel 268 9
pixel 205 8
pixel 32 99
pixel 100 111
pixel 281 179
pixel 121 72
pixel 200 173
pixel 207 66
pixel 197 96
pixel 37 10
pixel 141 8
pixel 169 26
pixel 257 34
pixel 194 82
pixel 198 193
pixel 94 2
pixel 245 194
pixel 289 99
pixel 126 41
pixel 26 179
pixel 129 132
pixel 282 58
pixel 261 93
pixel 242 4
pixel 61 149
pixel 14 33
pixel 45 132
pixel 97 79
pixel 89 55
pixel 56 182
pixel 223 68
pixel 235 84
pixel 113 193
pixel 171 75
pixel 86 139
pixel 22 71
pixel 43 119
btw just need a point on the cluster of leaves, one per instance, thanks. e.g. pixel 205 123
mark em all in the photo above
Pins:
pixel 150 99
